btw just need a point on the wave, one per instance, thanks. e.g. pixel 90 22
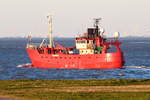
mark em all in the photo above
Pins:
pixel 28 65
pixel 137 67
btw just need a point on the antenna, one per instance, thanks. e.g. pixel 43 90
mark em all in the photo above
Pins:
pixel 96 25
pixel 96 21
pixel 29 38
pixel 49 17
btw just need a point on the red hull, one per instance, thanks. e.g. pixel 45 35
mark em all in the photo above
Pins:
pixel 76 61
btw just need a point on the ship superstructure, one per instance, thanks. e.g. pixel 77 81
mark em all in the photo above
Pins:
pixel 91 51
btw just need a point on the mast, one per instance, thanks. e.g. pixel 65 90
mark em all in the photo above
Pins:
pixel 49 17
pixel 96 21
pixel 98 29
pixel 96 25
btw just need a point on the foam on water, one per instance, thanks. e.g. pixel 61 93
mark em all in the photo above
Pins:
pixel 27 65
pixel 137 67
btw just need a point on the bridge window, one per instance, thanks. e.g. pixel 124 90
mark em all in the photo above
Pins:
pixel 81 41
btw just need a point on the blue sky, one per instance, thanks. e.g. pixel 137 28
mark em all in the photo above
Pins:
pixel 72 17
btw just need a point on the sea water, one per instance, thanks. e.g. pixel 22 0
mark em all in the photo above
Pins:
pixel 15 63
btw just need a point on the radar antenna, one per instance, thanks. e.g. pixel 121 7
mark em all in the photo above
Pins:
pixel 96 21
pixel 96 25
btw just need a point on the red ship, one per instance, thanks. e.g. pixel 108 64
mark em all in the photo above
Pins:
pixel 92 51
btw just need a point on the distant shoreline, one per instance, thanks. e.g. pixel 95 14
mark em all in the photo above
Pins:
pixel 69 37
